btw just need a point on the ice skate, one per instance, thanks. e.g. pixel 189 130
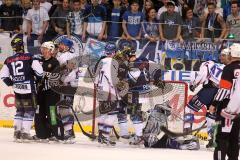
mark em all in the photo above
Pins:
pixel 136 140
pixel 17 136
pixel 104 140
pixel 69 137
pixel 26 137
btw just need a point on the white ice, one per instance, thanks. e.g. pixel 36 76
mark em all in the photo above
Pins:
pixel 85 149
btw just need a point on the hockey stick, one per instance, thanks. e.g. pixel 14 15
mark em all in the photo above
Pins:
pixel 179 134
pixel 80 126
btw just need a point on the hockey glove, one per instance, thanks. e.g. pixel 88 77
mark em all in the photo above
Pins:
pixel 159 84
pixel 192 88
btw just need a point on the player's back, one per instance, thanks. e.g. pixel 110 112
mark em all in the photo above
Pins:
pixel 21 72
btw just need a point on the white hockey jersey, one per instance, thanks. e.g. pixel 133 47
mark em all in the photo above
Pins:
pixel 209 71
pixel 64 57
pixel 106 79
pixel 72 78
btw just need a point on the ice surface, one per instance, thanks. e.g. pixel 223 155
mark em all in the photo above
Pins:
pixel 85 149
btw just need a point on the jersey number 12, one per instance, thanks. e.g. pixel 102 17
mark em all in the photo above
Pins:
pixel 17 66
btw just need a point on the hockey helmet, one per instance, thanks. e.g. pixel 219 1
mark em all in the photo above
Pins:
pixel 67 42
pixel 225 51
pixel 110 48
pixel 17 44
pixel 235 50
pixel 49 45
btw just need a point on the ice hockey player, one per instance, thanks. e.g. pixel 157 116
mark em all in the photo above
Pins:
pixel 22 72
pixel 155 138
pixel 228 124
pixel 66 51
pixel 46 123
pixel 209 76
pixel 141 72
pixel 106 80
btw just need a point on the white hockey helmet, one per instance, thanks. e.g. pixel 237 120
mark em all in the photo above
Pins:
pixel 225 51
pixel 49 45
pixel 235 50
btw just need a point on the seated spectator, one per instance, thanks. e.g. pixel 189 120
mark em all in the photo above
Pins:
pixel 170 27
pixel 94 21
pixel 75 20
pixel 164 8
pixel 58 20
pixel 148 5
pixel 114 25
pixel 233 21
pixel 213 25
pixel 26 5
pixel 54 7
pixel 46 5
pixel 191 28
pixel 8 13
pixel 132 22
pixel 37 21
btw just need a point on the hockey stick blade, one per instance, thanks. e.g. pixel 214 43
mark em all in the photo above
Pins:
pixel 179 134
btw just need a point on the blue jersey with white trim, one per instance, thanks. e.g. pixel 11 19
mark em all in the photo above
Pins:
pixel 22 70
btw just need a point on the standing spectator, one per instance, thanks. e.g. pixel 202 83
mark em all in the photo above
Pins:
pixel 132 22
pixel 233 21
pixel 148 5
pixel 83 4
pixel 10 14
pixel 170 27
pixel 125 4
pixel 213 26
pixel 151 26
pixel 46 5
pixel 191 28
pixel 94 21
pixel 218 9
pixel 37 21
pixel 54 7
pixel 164 8
pixel 26 5
pixel 151 33
pixel 58 21
pixel 227 8
pixel 114 26
pixel 199 7
pixel 75 20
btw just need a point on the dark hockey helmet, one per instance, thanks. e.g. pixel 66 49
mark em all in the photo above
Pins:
pixel 110 48
pixel 17 45
pixel 127 48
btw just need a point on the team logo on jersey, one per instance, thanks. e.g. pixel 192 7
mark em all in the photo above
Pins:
pixel 77 43
pixel 49 66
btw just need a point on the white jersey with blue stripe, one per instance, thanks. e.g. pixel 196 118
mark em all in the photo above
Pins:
pixel 209 71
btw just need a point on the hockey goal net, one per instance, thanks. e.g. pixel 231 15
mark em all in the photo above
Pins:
pixel 174 93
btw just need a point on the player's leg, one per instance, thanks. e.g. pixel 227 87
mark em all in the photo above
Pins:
pixel 29 104
pixel 18 118
pixel 122 120
pixel 67 119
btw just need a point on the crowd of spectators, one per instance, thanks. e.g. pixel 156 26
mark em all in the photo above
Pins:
pixel 178 20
